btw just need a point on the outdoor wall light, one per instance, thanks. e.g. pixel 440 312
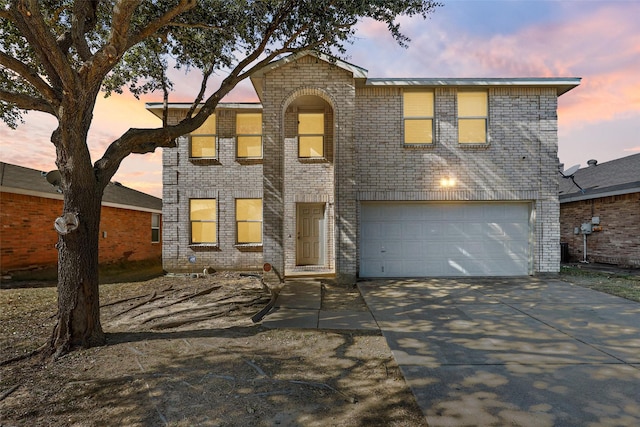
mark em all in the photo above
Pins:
pixel 447 182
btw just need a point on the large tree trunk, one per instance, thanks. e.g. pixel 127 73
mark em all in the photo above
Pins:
pixel 78 323
pixel 78 318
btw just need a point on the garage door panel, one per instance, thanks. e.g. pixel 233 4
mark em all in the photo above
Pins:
pixel 513 229
pixel 433 231
pixel 413 269
pixel 412 239
pixel 371 230
pixel 391 230
pixel 412 247
pixel 393 269
pixel 454 231
pixel 371 268
pixel 411 229
pixel 474 229
pixel 392 249
pixel 372 249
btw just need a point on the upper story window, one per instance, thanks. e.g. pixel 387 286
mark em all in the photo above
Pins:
pixel 311 134
pixel 249 135
pixel 473 107
pixel 418 107
pixel 249 221
pixel 203 217
pixel 155 228
pixel 203 140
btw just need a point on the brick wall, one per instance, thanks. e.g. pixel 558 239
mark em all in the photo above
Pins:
pixel 28 239
pixel 224 179
pixel 617 243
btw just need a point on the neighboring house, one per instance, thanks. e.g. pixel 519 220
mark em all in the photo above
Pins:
pixel 609 205
pixel 29 205
pixel 336 173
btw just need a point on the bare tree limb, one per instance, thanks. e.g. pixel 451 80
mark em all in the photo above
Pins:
pixel 160 22
pixel 203 87
pixel 34 28
pixel 30 75
pixel 4 14
pixel 83 18
pixel 26 102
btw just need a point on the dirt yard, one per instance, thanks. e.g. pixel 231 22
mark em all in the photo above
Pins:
pixel 184 352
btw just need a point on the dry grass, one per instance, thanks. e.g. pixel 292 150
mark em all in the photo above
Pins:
pixel 619 284
pixel 203 369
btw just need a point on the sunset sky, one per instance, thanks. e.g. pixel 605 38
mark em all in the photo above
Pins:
pixel 596 40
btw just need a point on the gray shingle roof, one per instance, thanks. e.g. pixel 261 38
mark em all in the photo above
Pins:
pixel 620 176
pixel 33 181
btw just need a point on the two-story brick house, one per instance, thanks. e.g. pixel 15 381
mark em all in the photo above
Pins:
pixel 336 173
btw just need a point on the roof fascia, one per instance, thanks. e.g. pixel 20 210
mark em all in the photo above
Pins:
pixel 576 197
pixel 57 196
pixel 257 78
pixel 156 108
pixel 561 84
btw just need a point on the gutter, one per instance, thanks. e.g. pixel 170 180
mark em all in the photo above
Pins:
pixel 611 191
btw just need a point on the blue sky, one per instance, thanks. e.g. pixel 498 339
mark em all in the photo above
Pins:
pixel 596 40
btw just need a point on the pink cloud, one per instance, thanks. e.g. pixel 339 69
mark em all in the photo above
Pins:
pixel 601 44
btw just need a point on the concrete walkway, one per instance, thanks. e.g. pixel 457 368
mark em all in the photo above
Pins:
pixel 299 306
pixel 518 351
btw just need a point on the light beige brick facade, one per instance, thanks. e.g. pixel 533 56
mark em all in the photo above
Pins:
pixel 364 160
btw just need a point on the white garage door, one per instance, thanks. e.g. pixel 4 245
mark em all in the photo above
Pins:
pixel 405 239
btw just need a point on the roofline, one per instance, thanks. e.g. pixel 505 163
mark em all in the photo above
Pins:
pixel 562 84
pixel 57 196
pixel 156 108
pixel 257 78
pixel 358 72
pixel 633 187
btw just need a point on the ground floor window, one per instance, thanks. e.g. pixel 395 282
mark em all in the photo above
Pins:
pixel 249 221
pixel 155 228
pixel 204 221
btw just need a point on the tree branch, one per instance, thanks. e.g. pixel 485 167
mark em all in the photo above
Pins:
pixel 200 26
pixel 30 21
pixel 120 39
pixel 25 102
pixel 83 19
pixel 162 21
pixel 30 75
pixel 138 141
pixel 5 14
pixel 203 87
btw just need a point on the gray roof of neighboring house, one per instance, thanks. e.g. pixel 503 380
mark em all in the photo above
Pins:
pixel 18 179
pixel 620 176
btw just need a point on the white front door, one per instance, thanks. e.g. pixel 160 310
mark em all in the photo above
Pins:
pixel 310 234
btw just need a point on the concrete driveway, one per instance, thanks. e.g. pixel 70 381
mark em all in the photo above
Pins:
pixel 512 351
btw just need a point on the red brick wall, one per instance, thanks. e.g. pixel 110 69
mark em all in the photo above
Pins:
pixel 27 236
pixel 619 240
